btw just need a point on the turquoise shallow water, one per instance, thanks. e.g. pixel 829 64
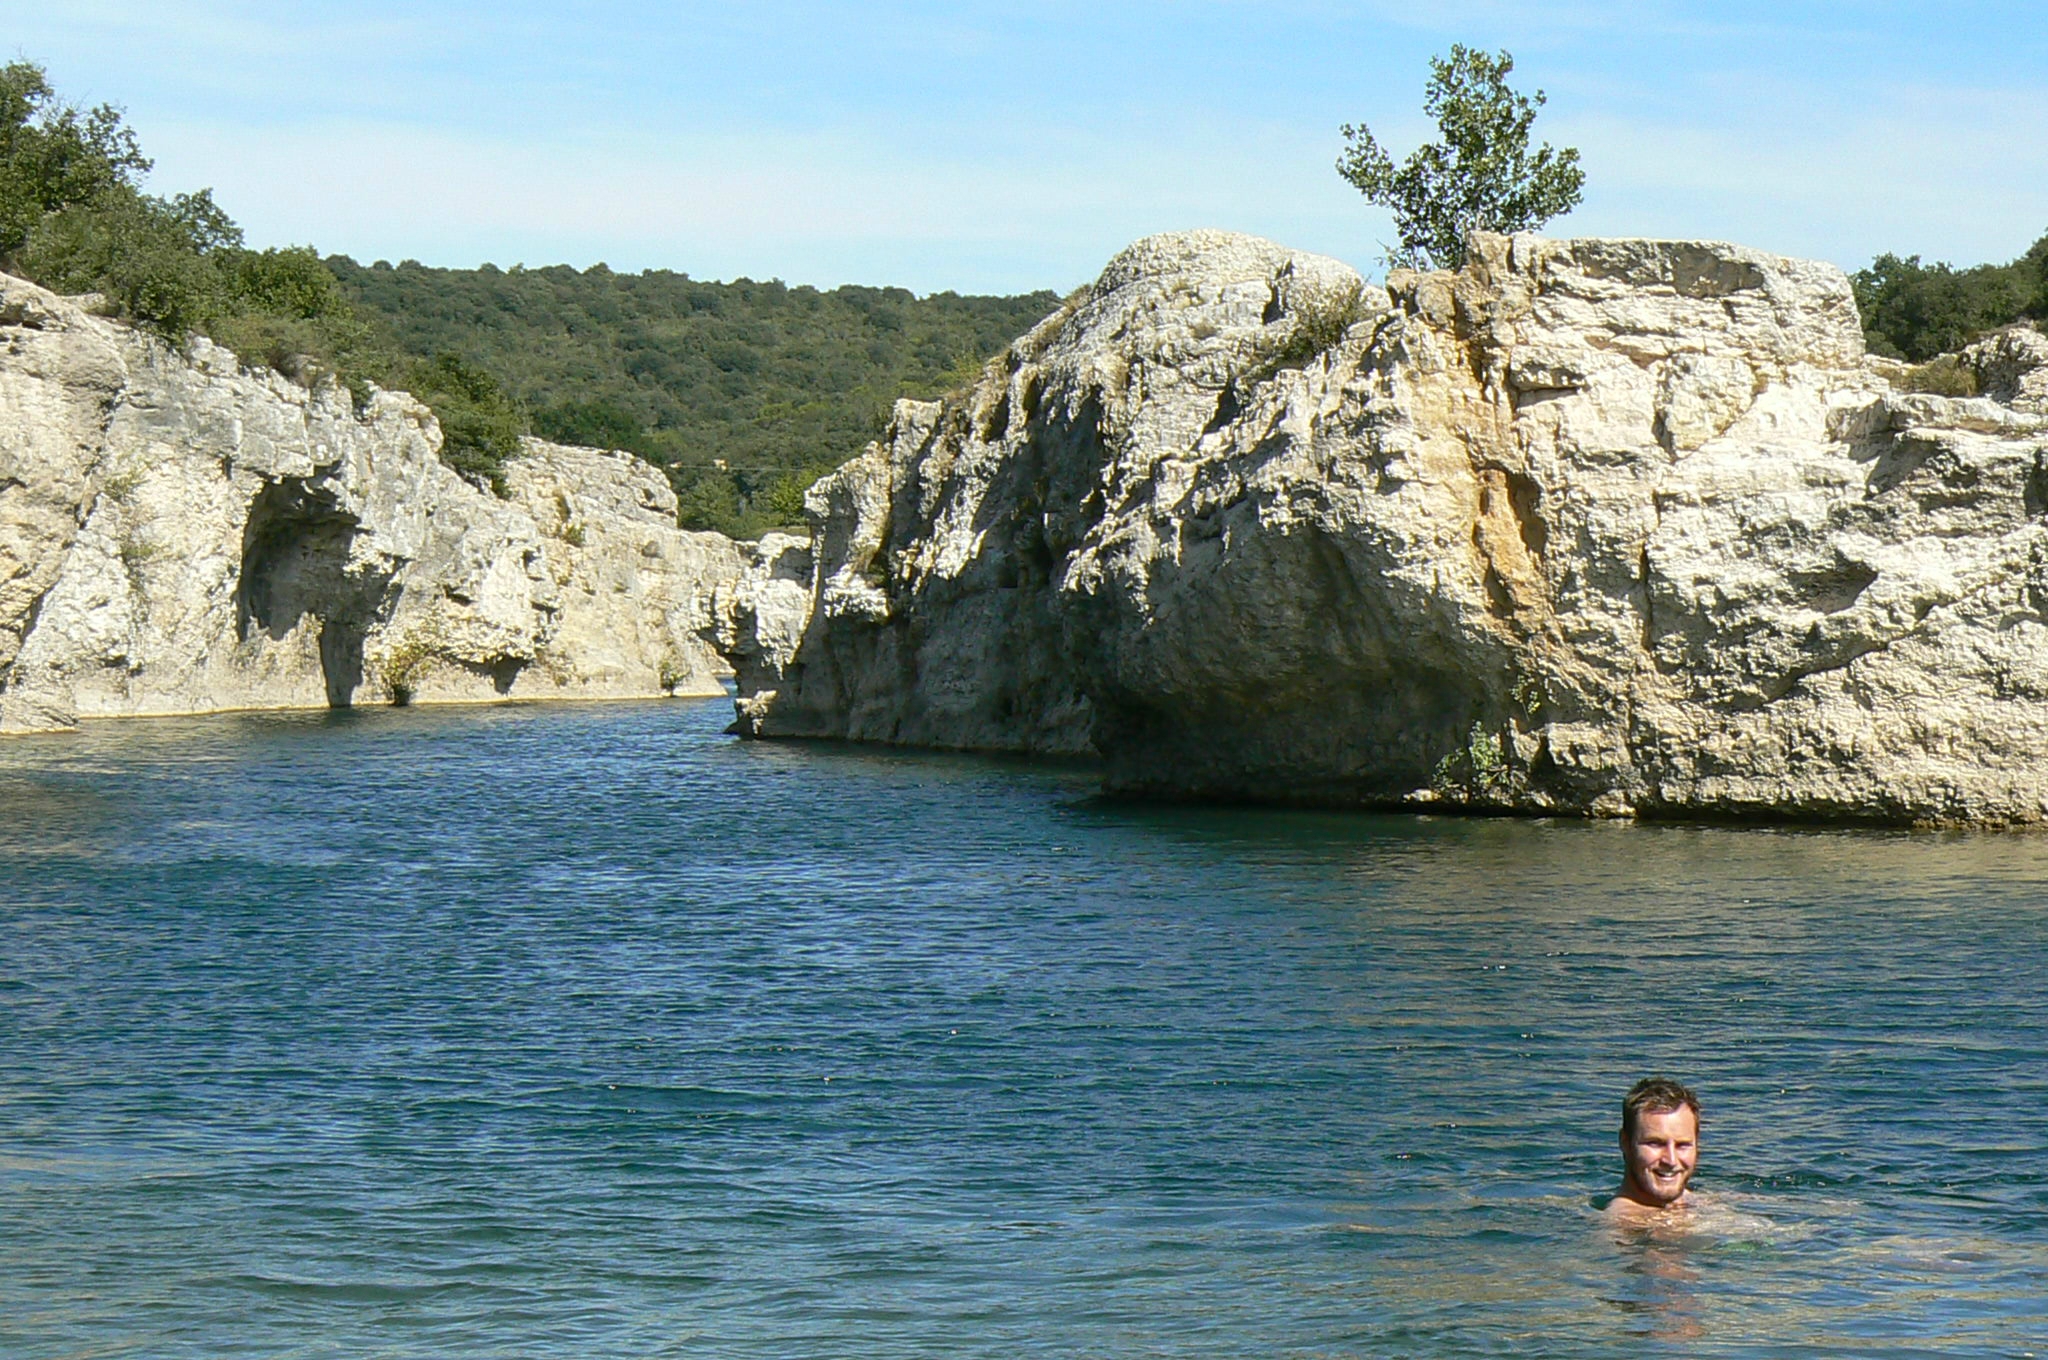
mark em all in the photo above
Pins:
pixel 587 1031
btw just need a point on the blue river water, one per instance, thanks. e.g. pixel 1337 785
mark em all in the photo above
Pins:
pixel 585 1031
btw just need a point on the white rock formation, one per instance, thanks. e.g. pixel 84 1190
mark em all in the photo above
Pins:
pixel 758 617
pixel 2011 366
pixel 178 535
pixel 1600 526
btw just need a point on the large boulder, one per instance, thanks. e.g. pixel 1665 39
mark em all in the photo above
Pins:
pixel 179 534
pixel 1611 527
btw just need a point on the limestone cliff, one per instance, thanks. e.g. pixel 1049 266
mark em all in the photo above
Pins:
pixel 1599 526
pixel 180 535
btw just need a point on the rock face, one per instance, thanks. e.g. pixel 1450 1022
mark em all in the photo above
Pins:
pixel 758 617
pixel 178 535
pixel 1605 527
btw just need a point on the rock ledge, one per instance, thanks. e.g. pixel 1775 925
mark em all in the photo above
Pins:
pixel 1603 527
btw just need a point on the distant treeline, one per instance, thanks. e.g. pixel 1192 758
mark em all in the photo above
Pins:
pixel 745 392
pixel 742 391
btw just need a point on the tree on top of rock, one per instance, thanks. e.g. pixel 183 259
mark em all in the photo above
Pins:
pixel 1482 175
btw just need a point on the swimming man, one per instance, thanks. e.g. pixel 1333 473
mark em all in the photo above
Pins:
pixel 1660 1148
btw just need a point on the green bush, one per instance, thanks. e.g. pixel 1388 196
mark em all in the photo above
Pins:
pixel 596 424
pixel 1478 771
pixel 127 246
pixel 709 499
pixel 1321 317
pixel 287 282
pixel 783 503
pixel 1945 376
pixel 480 425
pixel 1915 311
pixel 285 309
pixel 407 659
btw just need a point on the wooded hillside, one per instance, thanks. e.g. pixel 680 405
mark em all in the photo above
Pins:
pixel 775 383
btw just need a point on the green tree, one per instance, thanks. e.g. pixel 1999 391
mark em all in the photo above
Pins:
pixel 783 502
pixel 709 499
pixel 55 156
pixel 284 308
pixel 1482 175
pixel 134 250
pixel 480 425
pixel 594 424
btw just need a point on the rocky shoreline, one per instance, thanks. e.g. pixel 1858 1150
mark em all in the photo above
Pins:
pixel 1605 528
pixel 181 534
pixel 1599 527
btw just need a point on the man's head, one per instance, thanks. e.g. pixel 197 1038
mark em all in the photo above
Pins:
pixel 1660 1141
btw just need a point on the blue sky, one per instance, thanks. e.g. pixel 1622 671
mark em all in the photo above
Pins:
pixel 1002 147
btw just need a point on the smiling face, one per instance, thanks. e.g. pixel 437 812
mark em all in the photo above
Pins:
pixel 1660 1153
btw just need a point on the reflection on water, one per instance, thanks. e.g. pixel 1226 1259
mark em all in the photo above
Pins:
pixel 1661 1294
pixel 583 1031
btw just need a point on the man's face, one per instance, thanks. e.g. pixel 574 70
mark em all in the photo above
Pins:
pixel 1661 1154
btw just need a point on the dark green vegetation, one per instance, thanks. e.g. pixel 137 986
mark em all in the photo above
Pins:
pixel 1481 175
pixel 1916 311
pixel 745 392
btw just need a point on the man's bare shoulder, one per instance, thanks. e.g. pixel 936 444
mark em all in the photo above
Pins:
pixel 1718 1216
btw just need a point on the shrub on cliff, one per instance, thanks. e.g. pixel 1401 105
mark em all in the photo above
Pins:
pixel 286 310
pixel 133 249
pixel 177 266
pixel 1482 175
pixel 73 215
pixel 54 155
pixel 1321 317
pixel 598 424
pixel 480 425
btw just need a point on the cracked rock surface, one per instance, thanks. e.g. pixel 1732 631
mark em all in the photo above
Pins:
pixel 1605 527
pixel 179 535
